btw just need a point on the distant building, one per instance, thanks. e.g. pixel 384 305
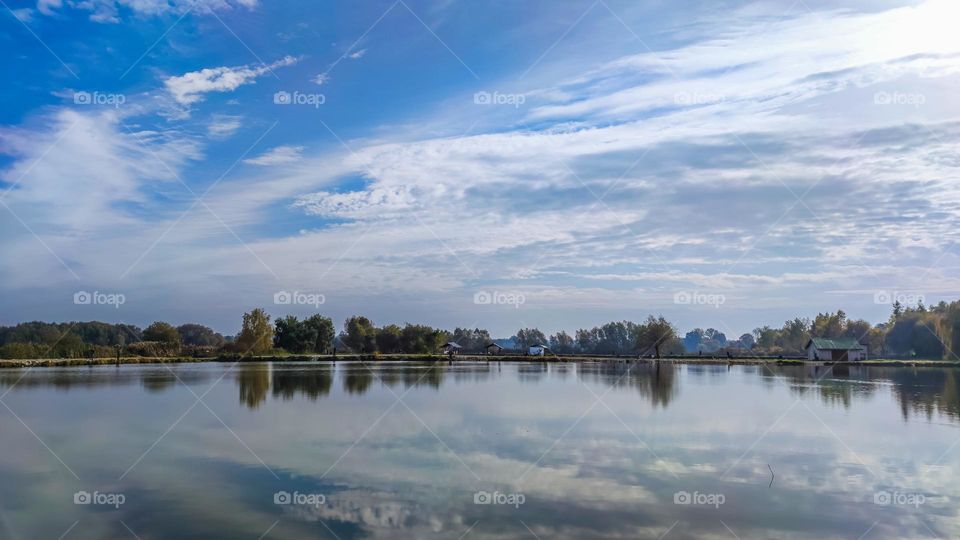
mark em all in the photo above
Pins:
pixel 450 348
pixel 836 350
pixel 493 348
pixel 537 350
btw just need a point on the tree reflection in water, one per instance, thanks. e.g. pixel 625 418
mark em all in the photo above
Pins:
pixel 254 383
pixel 655 381
pixel 314 382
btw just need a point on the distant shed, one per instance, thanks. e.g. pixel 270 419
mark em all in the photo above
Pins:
pixel 537 350
pixel 836 350
pixel 450 348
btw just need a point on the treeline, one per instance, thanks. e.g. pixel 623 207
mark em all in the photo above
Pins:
pixel 101 340
pixel 911 332
pixel 915 331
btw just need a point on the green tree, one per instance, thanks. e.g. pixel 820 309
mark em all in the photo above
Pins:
pixel 199 335
pixel 586 340
pixel 291 335
pixel 388 338
pixel 766 337
pixel 322 330
pixel 561 343
pixel 162 332
pixel 897 310
pixel 421 339
pixel 360 335
pixel 528 337
pixel 314 334
pixel 256 335
pixel 794 335
pixel 655 334
pixel 829 325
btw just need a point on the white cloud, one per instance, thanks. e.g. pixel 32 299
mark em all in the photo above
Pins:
pixel 321 79
pixel 189 88
pixel 49 7
pixel 222 125
pixel 108 11
pixel 357 55
pixel 81 180
pixel 23 14
pixel 281 155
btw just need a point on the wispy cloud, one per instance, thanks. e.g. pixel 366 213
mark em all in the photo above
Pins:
pixel 281 155
pixel 189 88
pixel 108 11
pixel 23 14
pixel 222 125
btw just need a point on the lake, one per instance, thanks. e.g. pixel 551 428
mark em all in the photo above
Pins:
pixel 477 450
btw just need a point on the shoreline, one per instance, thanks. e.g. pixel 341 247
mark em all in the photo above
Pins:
pixel 423 358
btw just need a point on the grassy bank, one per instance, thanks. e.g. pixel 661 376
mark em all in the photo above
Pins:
pixel 382 358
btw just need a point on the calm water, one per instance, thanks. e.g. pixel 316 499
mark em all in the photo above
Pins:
pixel 408 451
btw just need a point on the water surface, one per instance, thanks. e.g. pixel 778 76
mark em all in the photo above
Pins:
pixel 477 450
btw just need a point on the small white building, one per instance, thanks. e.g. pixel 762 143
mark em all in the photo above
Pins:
pixel 537 350
pixel 836 350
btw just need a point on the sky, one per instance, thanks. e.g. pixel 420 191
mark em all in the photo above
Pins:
pixel 479 164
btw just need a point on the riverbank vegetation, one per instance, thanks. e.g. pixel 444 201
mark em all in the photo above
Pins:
pixel 914 332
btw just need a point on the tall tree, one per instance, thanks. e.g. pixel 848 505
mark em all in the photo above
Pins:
pixel 388 339
pixel 256 335
pixel 360 335
pixel 655 334
pixel 322 331
pixel 561 343
pixel 528 337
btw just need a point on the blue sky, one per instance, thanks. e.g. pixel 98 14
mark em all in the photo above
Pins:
pixel 725 164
